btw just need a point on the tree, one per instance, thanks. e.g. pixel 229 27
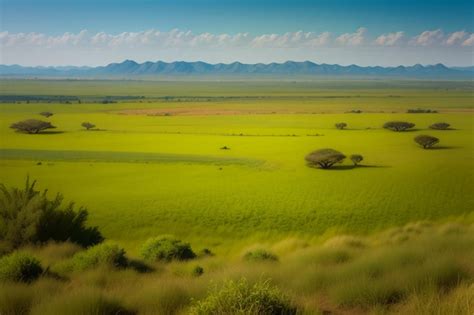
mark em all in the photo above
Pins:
pixel 88 125
pixel 325 158
pixel 398 125
pixel 341 125
pixel 46 114
pixel 426 141
pixel 28 216
pixel 356 158
pixel 440 126
pixel 31 126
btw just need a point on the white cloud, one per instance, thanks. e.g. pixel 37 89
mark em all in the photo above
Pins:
pixel 352 39
pixel 469 42
pixel 428 38
pixel 455 38
pixel 389 39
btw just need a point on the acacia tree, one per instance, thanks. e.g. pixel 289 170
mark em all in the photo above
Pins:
pixel 440 126
pixel 398 125
pixel 32 126
pixel 356 158
pixel 46 114
pixel 426 141
pixel 341 125
pixel 87 125
pixel 325 158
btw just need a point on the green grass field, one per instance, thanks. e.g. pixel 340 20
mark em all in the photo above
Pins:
pixel 142 175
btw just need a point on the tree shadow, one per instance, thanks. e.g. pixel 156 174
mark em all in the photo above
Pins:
pixel 441 147
pixel 50 132
pixel 348 167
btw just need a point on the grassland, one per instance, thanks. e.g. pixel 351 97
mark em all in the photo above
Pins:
pixel 391 236
pixel 141 175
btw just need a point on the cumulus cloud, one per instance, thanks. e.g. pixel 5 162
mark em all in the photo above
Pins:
pixel 455 38
pixel 352 39
pixel 428 38
pixel 389 39
pixel 288 40
pixel 469 42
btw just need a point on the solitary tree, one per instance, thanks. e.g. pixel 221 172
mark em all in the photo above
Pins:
pixel 398 125
pixel 426 141
pixel 440 126
pixel 356 158
pixel 31 126
pixel 87 125
pixel 46 114
pixel 341 125
pixel 325 158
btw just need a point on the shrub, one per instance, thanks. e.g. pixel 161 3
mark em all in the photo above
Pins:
pixel 197 271
pixel 28 216
pixel 244 299
pixel 325 158
pixel 106 254
pixel 31 126
pixel 341 125
pixel 421 111
pixel 440 126
pixel 205 252
pixel 87 125
pixel 260 255
pixel 398 125
pixel 356 158
pixel 426 141
pixel 166 249
pixel 46 114
pixel 19 267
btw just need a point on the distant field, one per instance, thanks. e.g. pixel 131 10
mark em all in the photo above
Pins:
pixel 156 167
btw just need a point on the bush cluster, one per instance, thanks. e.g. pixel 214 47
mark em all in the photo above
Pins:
pixel 19 267
pixel 28 216
pixel 240 297
pixel 260 255
pixel 106 254
pixel 166 249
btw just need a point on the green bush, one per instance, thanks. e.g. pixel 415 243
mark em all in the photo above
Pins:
pixel 166 249
pixel 244 299
pixel 260 255
pixel 28 216
pixel 100 255
pixel 19 267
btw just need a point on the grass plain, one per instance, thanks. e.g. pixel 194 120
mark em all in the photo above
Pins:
pixel 145 174
pixel 348 240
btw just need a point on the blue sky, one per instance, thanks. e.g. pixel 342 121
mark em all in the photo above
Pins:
pixel 255 18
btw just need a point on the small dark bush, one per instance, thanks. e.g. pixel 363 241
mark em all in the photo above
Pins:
pixel 426 141
pixel 244 299
pixel 19 267
pixel 421 111
pixel 440 126
pixel 341 125
pixel 205 252
pixel 398 125
pixel 166 249
pixel 110 255
pixel 87 125
pixel 325 158
pixel 356 158
pixel 46 114
pixel 260 255
pixel 31 126
pixel 197 271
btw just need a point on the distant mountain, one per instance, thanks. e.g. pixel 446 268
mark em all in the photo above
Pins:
pixel 130 68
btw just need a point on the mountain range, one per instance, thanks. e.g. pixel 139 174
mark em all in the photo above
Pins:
pixel 130 68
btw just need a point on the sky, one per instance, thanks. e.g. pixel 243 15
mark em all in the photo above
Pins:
pixel 363 32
